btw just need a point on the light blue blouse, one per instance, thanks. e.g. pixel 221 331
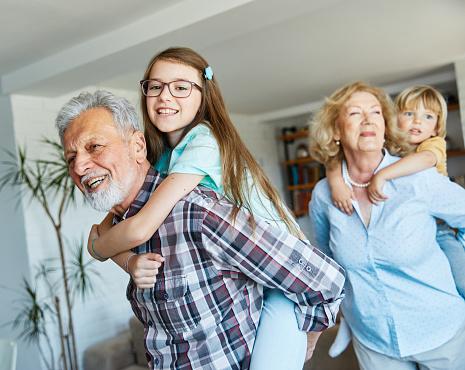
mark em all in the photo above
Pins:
pixel 198 153
pixel 401 298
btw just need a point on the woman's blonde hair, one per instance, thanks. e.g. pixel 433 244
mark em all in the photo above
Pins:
pixel 323 127
pixel 236 160
pixel 410 98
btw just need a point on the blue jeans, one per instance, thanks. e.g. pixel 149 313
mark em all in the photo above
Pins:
pixel 455 253
pixel 279 343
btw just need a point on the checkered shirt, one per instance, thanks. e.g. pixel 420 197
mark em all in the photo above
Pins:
pixel 204 308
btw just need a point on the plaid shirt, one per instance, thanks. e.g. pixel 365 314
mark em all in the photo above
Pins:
pixel 204 308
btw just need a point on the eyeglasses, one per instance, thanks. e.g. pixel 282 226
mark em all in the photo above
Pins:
pixel 178 88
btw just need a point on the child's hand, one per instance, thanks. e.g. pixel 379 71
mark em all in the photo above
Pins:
pixel 375 189
pixel 342 199
pixel 144 269
pixel 93 235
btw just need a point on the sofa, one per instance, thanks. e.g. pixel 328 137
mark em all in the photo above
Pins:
pixel 126 352
pixel 123 352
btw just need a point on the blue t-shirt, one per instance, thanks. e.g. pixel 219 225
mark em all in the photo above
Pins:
pixel 198 153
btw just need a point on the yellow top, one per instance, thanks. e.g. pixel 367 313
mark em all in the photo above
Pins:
pixel 436 145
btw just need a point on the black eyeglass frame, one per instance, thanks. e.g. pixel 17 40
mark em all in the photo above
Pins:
pixel 169 87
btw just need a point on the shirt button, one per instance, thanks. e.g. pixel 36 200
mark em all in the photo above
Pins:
pixel 157 361
pixel 166 296
pixel 308 268
pixel 301 261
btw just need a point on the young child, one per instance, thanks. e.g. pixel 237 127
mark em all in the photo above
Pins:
pixel 191 139
pixel 422 114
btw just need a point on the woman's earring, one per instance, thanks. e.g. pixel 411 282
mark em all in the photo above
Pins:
pixel 337 142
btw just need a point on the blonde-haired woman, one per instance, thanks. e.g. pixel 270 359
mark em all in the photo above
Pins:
pixel 401 303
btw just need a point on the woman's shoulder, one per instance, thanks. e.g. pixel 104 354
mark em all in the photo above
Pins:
pixel 321 190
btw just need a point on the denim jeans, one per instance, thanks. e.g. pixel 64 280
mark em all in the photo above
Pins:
pixel 279 343
pixel 455 253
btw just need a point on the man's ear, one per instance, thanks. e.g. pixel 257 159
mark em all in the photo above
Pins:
pixel 139 146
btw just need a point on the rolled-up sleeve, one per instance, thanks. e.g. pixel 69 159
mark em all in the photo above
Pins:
pixel 277 259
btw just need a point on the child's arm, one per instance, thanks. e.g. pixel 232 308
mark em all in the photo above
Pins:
pixel 143 268
pixel 342 195
pixel 408 165
pixel 138 229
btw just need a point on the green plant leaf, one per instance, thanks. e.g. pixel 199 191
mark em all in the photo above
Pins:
pixel 82 276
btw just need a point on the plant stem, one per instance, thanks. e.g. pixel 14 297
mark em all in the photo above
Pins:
pixel 60 327
pixel 67 297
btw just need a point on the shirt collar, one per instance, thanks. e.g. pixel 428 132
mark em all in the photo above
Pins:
pixel 152 180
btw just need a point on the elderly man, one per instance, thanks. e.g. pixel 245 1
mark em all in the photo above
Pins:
pixel 204 308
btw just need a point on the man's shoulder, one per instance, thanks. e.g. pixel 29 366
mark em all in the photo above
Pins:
pixel 204 198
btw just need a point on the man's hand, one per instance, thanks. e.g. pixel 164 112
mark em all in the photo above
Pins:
pixel 312 338
pixel 144 269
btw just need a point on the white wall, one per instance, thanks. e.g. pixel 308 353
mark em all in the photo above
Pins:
pixel 14 264
pixel 102 315
pixel 260 139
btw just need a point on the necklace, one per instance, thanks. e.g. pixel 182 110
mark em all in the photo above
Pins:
pixel 357 184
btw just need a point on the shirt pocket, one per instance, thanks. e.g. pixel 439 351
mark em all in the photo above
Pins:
pixel 175 307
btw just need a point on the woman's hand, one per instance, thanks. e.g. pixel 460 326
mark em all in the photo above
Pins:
pixel 375 189
pixel 342 198
pixel 144 269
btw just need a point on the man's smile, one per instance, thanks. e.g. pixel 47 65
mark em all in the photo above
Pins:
pixel 92 182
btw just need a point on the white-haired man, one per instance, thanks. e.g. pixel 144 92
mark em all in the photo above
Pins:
pixel 204 307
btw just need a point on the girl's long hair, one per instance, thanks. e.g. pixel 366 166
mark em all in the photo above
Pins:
pixel 236 160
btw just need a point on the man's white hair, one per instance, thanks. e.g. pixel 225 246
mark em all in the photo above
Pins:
pixel 123 112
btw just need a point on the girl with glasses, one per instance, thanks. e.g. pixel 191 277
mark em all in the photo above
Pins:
pixel 191 138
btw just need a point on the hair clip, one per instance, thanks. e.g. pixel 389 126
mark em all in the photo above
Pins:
pixel 208 73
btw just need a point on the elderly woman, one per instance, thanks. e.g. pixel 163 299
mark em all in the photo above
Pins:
pixel 401 301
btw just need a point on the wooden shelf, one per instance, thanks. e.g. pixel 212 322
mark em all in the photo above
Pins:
pixel 299 161
pixel 455 153
pixel 300 212
pixel 453 106
pixel 291 137
pixel 307 186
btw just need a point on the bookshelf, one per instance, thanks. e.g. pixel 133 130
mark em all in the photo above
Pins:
pixel 302 173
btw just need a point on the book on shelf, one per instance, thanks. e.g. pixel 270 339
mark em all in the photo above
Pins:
pixel 301 198
pixel 302 174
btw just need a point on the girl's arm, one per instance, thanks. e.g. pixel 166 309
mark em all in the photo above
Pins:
pixel 341 194
pixel 408 165
pixel 138 229
pixel 143 268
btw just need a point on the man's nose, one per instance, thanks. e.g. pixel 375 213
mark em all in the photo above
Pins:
pixel 82 164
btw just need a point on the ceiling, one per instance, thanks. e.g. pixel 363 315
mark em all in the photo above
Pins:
pixel 268 55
